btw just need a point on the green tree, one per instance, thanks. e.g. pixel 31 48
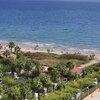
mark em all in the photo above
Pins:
pixel 14 93
pixel 25 89
pixel 70 75
pixel 20 65
pixel 17 49
pixel 8 81
pixel 0 46
pixel 28 65
pixel 48 50
pixel 11 45
pixel 37 69
pixel 1 70
pixel 94 75
pixel 6 53
pixel 62 69
pixel 55 75
pixel 46 81
pixel 70 65
pixel 73 84
pixel 85 82
pixel 53 96
pixel 69 92
pixel 37 86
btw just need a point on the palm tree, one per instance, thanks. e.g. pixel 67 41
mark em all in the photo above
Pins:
pixel 17 49
pixel 48 50
pixel 6 53
pixel 0 46
pixel 11 45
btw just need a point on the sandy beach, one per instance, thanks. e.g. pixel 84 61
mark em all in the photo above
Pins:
pixel 25 48
pixel 59 52
pixel 41 50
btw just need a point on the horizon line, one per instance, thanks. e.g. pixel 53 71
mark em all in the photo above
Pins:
pixel 55 0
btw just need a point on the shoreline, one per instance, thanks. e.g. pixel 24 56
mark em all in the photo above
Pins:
pixel 52 46
pixel 28 48
pixel 59 52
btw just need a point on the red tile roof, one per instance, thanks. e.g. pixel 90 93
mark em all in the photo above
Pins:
pixel 76 70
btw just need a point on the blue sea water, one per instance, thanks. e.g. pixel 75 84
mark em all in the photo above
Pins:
pixel 74 25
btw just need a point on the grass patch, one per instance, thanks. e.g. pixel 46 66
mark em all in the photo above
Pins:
pixel 52 59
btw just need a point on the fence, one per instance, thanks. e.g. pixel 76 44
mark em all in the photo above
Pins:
pixel 88 91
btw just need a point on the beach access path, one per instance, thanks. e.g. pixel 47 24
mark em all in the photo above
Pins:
pixel 94 96
pixel 92 62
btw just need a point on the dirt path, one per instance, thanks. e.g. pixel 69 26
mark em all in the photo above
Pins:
pixel 95 61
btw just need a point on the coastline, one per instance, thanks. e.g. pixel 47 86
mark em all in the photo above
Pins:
pixel 40 50
pixel 29 48
pixel 59 52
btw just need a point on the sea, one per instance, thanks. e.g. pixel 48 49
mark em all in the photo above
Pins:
pixel 51 24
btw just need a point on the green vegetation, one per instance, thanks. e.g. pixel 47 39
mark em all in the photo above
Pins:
pixel 52 59
pixel 72 88
pixel 23 75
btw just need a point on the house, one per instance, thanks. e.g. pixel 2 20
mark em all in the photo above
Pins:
pixel 77 70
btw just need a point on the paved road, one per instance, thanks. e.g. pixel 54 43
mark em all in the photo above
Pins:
pixel 95 96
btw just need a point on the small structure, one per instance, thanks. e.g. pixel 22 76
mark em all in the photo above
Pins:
pixel 15 75
pixel 22 71
pixel 0 97
pixel 36 96
pixel 45 91
pixel 54 85
pixel 77 70
pixel 45 69
pixel 64 78
pixel 78 95
pixel 8 73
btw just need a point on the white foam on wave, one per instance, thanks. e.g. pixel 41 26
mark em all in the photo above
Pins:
pixel 53 46
pixel 41 45
pixel 3 41
pixel 90 50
